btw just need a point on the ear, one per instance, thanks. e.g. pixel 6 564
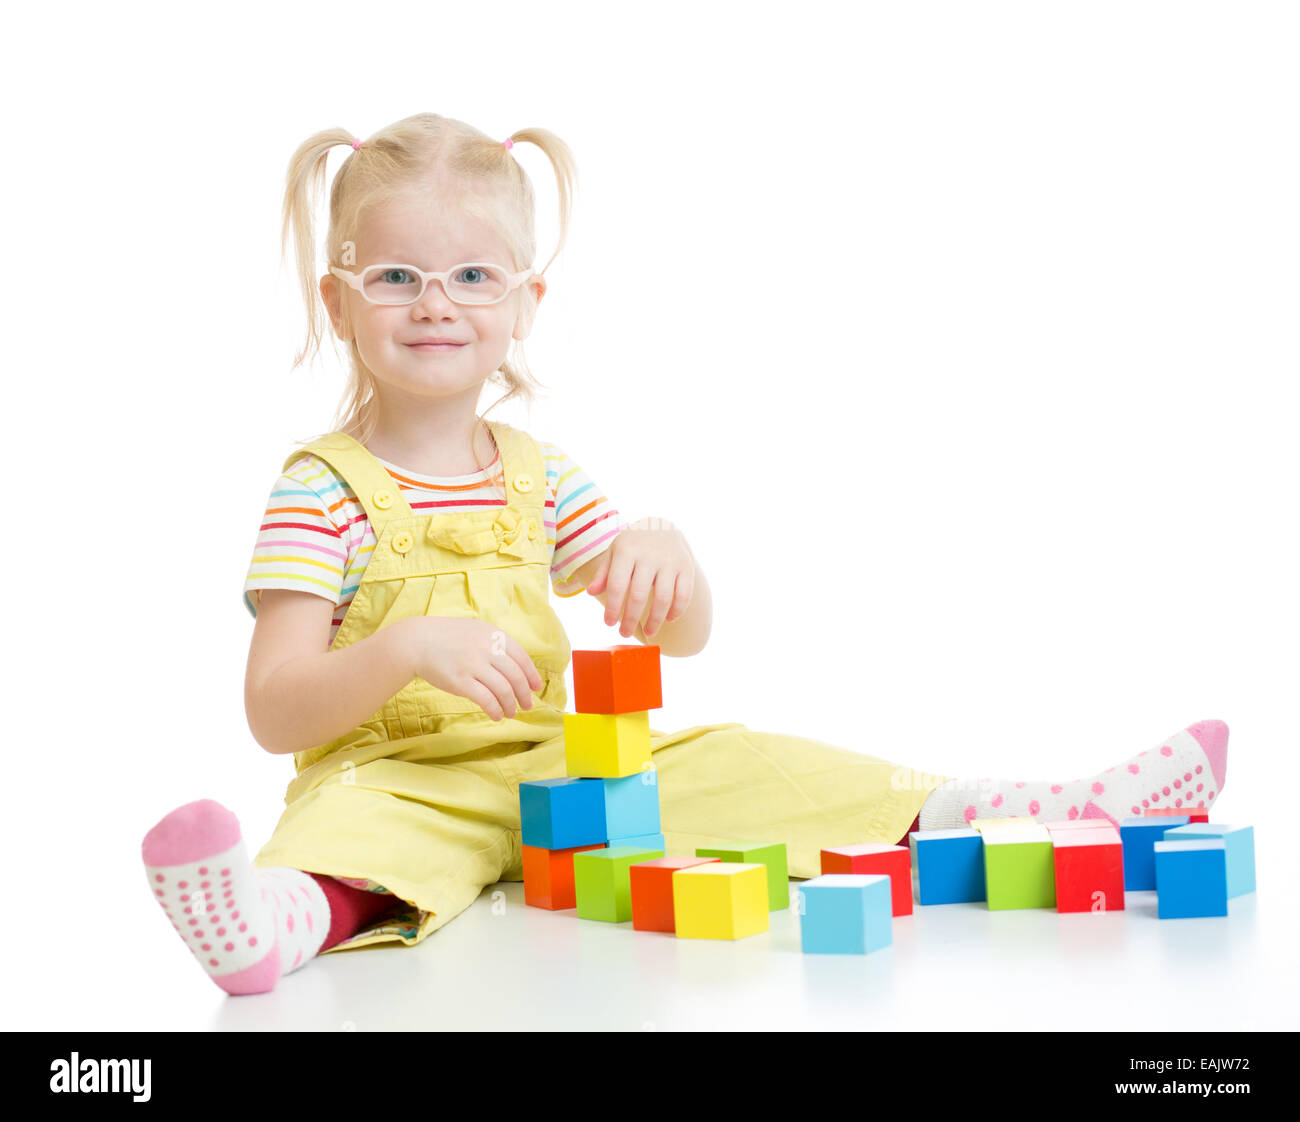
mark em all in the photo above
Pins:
pixel 524 322
pixel 331 293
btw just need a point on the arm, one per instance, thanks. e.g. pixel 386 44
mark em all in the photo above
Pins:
pixel 298 693
pixel 686 635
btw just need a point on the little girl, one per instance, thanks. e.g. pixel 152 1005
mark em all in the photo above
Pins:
pixel 406 651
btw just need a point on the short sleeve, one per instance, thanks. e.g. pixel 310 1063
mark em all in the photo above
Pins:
pixel 586 521
pixel 301 546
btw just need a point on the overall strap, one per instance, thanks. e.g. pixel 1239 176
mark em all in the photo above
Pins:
pixel 523 469
pixel 374 488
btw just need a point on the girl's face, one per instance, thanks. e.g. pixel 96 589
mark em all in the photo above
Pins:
pixel 411 231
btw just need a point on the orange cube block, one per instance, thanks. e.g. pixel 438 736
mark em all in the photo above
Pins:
pixel 548 876
pixel 623 679
pixel 652 891
pixel 893 861
pixel 1194 813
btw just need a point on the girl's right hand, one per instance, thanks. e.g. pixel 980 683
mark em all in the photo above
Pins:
pixel 472 658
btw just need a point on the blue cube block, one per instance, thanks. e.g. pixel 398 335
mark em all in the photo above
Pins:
pixel 947 866
pixel 1240 841
pixel 641 841
pixel 631 805
pixel 1191 878
pixel 562 813
pixel 1139 836
pixel 845 913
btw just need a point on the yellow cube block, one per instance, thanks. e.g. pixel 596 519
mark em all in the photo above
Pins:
pixel 606 745
pixel 720 900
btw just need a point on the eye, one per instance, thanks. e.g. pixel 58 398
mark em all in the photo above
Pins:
pixel 395 276
pixel 471 274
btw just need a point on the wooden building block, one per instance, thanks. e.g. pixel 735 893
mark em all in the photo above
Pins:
pixel 563 813
pixel 893 861
pixel 623 679
pixel 845 913
pixel 720 900
pixel 1191 878
pixel 1019 871
pixel 947 866
pixel 1089 869
pixel 632 804
pixel 1139 836
pixel 600 746
pixel 601 882
pixel 1240 842
pixel 548 877
pixel 771 854
pixel 651 884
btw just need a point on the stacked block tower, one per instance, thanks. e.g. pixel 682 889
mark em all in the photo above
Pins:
pixel 606 807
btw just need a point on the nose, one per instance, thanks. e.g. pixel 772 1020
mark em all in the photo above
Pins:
pixel 435 300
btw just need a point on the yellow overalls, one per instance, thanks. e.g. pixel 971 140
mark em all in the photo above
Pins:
pixel 422 801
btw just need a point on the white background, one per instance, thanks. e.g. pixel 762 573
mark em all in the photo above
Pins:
pixel 984 434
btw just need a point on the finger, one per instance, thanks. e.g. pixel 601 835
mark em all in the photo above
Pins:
pixel 514 673
pixel 597 582
pixel 483 697
pixel 620 574
pixel 682 597
pixel 521 657
pixel 643 580
pixel 503 693
pixel 665 583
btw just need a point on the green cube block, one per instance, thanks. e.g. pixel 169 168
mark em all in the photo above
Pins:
pixel 771 854
pixel 602 883
pixel 1019 869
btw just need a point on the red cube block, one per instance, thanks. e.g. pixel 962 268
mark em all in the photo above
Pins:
pixel 1194 813
pixel 623 679
pixel 652 891
pixel 893 861
pixel 1089 870
pixel 548 876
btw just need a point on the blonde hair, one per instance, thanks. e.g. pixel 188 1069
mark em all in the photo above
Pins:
pixel 468 170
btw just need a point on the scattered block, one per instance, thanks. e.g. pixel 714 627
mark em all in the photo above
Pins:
pixel 548 876
pixel 651 884
pixel 601 883
pixel 632 805
pixel 1139 836
pixel 601 746
pixel 771 854
pixel 1240 842
pixel 893 861
pixel 720 900
pixel 845 913
pixel 564 813
pixel 947 866
pixel 1193 813
pixel 1019 871
pixel 623 679
pixel 1089 869
pixel 1191 878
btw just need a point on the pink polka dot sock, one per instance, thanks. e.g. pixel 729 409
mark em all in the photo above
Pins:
pixel 1186 769
pixel 246 926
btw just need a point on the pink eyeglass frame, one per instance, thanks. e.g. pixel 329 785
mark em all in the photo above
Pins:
pixel 356 281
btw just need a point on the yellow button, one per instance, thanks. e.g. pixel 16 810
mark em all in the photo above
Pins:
pixel 523 482
pixel 532 528
pixel 402 542
pixel 382 499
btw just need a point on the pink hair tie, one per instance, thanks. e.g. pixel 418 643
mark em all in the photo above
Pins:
pixel 509 144
pixel 356 144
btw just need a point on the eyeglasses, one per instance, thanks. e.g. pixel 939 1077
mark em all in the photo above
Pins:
pixel 472 283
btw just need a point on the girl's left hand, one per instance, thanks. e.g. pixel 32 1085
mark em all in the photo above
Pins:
pixel 648 556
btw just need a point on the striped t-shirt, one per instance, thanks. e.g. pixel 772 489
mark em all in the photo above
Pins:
pixel 315 536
